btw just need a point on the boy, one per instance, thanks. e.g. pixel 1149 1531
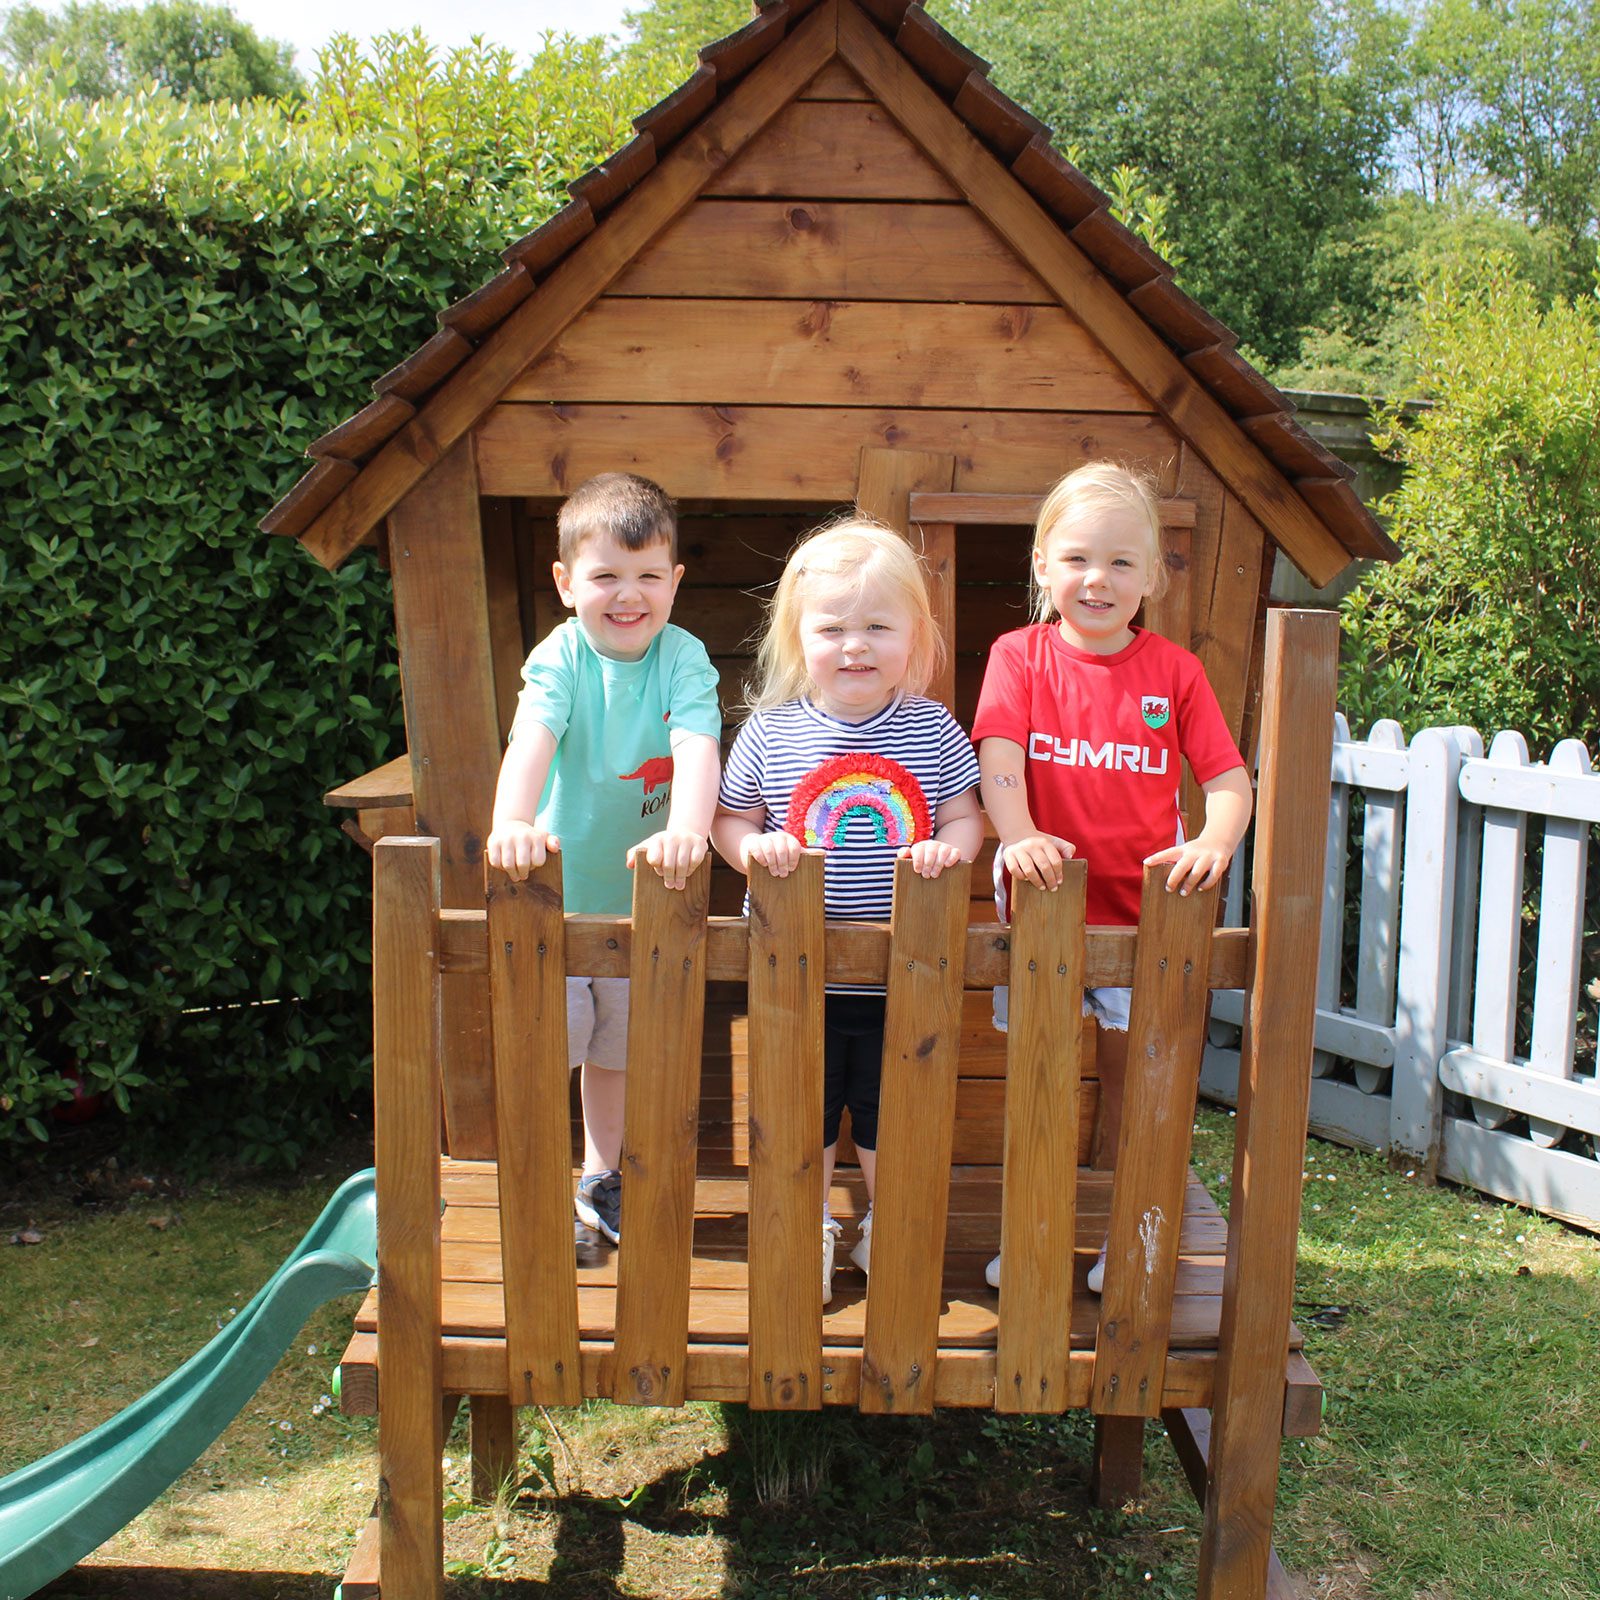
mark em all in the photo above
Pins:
pixel 616 731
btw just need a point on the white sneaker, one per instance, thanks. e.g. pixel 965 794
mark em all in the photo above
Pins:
pixel 1097 1273
pixel 861 1250
pixel 830 1234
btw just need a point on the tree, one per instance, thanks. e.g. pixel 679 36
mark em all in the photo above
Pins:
pixel 678 28
pixel 201 52
pixel 1265 125
pixel 1492 617
pixel 1376 276
pixel 1502 101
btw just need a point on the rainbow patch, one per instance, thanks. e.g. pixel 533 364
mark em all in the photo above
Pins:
pixel 845 789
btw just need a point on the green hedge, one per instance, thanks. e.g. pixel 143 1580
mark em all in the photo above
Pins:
pixel 188 296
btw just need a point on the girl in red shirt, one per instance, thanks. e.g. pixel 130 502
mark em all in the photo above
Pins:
pixel 1080 726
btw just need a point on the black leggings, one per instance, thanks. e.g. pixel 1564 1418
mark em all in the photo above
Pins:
pixel 852 1072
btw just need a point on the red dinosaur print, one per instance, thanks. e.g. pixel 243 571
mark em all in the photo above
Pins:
pixel 655 771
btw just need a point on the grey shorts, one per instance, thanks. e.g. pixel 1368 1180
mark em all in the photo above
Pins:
pixel 597 1022
pixel 1109 1007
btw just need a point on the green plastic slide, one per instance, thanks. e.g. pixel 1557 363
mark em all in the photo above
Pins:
pixel 56 1511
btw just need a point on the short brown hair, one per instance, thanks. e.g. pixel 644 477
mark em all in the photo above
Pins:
pixel 633 510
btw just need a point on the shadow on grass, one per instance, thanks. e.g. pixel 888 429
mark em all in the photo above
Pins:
pixel 186 1583
pixel 837 1508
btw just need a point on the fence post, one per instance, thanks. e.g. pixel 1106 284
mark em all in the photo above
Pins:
pixel 1427 907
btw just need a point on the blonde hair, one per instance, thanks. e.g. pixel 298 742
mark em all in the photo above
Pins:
pixel 849 557
pixel 1094 489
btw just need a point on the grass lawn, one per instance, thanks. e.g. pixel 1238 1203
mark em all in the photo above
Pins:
pixel 1460 1460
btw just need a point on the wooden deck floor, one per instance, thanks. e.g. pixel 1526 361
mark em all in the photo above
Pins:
pixel 474 1317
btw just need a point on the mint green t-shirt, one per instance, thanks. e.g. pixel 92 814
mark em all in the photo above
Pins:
pixel 615 724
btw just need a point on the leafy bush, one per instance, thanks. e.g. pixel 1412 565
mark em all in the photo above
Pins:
pixel 1492 617
pixel 189 294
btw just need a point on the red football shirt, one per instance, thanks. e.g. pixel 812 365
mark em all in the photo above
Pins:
pixel 1103 734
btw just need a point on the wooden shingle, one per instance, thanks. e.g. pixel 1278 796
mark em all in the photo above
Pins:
pixel 483 311
pixel 360 435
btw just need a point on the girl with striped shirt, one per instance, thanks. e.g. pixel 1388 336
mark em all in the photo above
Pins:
pixel 844 753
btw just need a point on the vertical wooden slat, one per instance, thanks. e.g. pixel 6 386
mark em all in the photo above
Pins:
pixel 1227 647
pixel 1172 616
pixel 661 1125
pixel 1556 993
pixel 494 1446
pixel 888 477
pixel 1467 835
pixel 1377 947
pixel 1495 986
pixel 406 1031
pixel 785 1119
pixel 505 606
pixel 883 491
pixel 528 988
pixel 1330 955
pixel 1430 924
pixel 916 1125
pixel 939 558
pixel 441 613
pixel 1038 1204
pixel 1166 1037
pixel 1274 1091
pixel 1116 1468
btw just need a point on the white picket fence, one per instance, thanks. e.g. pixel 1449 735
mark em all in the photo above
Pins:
pixel 1419 1054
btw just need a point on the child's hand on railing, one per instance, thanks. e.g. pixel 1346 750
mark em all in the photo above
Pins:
pixel 674 853
pixel 931 856
pixel 1196 864
pixel 1038 858
pixel 519 847
pixel 779 853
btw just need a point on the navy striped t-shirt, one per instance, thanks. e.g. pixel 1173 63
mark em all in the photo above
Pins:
pixel 777 749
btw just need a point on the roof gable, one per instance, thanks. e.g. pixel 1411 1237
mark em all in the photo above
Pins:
pixel 720 132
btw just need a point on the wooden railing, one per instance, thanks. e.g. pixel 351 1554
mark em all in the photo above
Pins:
pixel 925 957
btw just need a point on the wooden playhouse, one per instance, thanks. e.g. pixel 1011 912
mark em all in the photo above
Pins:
pixel 835 267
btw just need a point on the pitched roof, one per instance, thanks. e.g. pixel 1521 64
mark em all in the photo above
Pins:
pixel 1018 140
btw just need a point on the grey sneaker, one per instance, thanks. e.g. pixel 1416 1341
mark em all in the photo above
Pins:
pixel 599 1203
pixel 861 1250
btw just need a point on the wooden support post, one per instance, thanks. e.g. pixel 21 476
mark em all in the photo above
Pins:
pixel 1038 1216
pixel 360 1581
pixel 916 1121
pixel 1189 1428
pixel 441 613
pixel 528 986
pixel 1118 1461
pixel 660 1140
pixel 1274 1091
pixel 787 964
pixel 1166 1037
pixel 406 1029
pixel 494 1445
